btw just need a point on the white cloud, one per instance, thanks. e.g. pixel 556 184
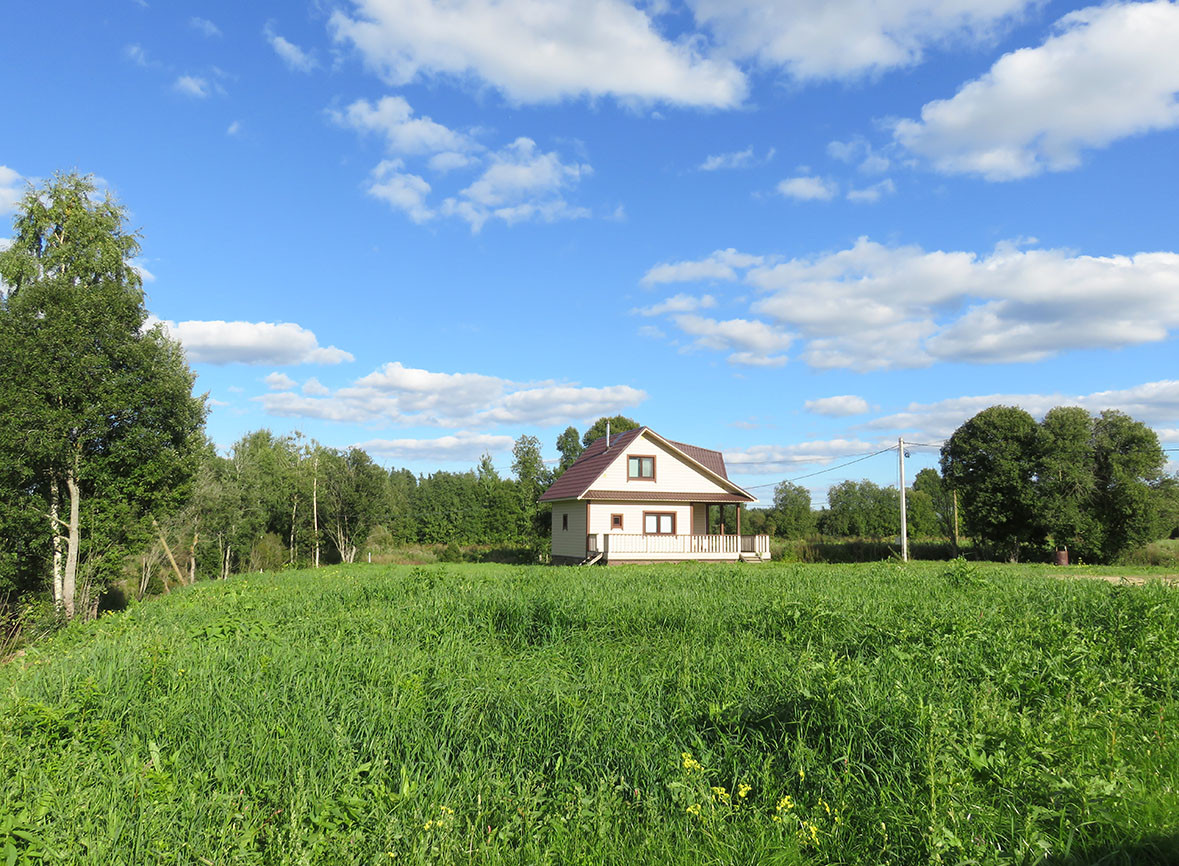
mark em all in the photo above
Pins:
pixel 778 459
pixel 403 191
pixel 858 150
pixel 720 265
pixel 279 382
pixel 449 161
pixel 314 388
pixel 845 39
pixel 291 54
pixel 194 86
pixel 873 193
pixel 396 394
pixel 874 307
pixel 137 54
pixel 392 117
pixel 738 159
pixel 536 51
pixel 521 183
pixel 837 407
pixel 12 187
pixel 807 188
pixel 234 128
pixel 1154 403
pixel 204 26
pixel 463 447
pixel 677 304
pixel 139 265
pixel 751 342
pixel 217 342
pixel 1109 72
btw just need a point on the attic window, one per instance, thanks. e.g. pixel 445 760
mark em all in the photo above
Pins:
pixel 640 468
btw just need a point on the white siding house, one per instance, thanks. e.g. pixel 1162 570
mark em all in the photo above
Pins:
pixel 637 497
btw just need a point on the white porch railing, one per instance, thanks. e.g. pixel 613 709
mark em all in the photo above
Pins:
pixel 621 546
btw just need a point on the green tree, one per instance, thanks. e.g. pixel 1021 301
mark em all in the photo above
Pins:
pixel 351 498
pixel 862 509
pixel 1128 468
pixel 618 424
pixel 929 483
pixel 570 447
pixel 98 417
pixel 990 461
pixel 532 479
pixel 1066 480
pixel 791 515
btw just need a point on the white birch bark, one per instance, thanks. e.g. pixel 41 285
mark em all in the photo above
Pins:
pixel 69 578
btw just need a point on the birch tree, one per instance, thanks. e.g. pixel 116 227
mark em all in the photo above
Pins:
pixel 98 407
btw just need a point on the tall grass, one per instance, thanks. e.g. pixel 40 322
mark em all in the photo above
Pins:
pixel 677 714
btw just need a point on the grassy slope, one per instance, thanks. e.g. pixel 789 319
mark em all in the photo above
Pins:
pixel 468 713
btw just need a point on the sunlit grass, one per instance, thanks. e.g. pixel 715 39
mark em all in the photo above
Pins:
pixel 692 714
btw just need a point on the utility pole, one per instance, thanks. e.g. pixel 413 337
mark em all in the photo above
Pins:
pixel 904 519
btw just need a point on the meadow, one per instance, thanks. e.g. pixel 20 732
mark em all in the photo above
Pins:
pixel 481 713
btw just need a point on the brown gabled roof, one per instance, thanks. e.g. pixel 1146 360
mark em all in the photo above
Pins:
pixel 714 460
pixel 592 463
pixel 579 477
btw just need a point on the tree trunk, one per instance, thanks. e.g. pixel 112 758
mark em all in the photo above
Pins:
pixel 294 513
pixel 69 577
pixel 55 525
pixel 192 559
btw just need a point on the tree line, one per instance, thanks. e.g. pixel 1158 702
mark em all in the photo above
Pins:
pixel 106 473
pixel 1093 485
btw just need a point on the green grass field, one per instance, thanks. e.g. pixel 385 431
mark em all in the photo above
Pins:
pixel 677 714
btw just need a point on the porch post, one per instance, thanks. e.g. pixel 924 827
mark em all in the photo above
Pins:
pixel 738 519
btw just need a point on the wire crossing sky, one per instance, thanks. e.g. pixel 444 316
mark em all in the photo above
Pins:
pixel 790 231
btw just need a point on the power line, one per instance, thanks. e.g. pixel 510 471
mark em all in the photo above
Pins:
pixel 827 469
pixel 787 460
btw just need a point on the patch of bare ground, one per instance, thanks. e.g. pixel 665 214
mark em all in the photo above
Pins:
pixel 1131 579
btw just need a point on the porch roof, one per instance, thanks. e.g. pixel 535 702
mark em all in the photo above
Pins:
pixel 663 496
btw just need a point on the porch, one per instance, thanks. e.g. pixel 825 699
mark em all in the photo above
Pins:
pixel 609 547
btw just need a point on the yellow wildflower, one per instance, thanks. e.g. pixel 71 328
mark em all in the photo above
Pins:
pixel 694 809
pixel 743 790
pixel 719 793
pixel 786 803
pixel 690 763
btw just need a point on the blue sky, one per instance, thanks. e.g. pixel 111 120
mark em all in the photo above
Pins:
pixel 790 231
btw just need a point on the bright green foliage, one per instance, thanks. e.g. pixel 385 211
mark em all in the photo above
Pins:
pixel 1066 481
pixel 990 460
pixel 618 424
pixel 874 714
pixel 351 498
pixel 921 517
pixel 92 399
pixel 569 446
pixel 1094 485
pixel 791 514
pixel 1128 464
pixel 861 509
pixel 929 483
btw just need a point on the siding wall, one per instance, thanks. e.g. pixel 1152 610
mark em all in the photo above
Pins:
pixel 571 541
pixel 672 475
pixel 632 516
